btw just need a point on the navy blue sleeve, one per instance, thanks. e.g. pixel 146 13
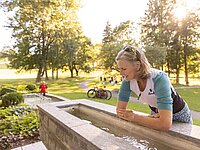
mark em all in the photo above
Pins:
pixel 125 91
pixel 163 91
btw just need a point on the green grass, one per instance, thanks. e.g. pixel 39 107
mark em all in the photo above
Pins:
pixel 196 122
pixel 191 96
pixel 16 82
pixel 68 88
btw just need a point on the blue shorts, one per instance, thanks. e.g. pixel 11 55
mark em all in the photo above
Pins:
pixel 184 115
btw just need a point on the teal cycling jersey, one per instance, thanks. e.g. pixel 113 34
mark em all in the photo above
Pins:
pixel 158 92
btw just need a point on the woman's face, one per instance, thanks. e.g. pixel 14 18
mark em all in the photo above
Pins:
pixel 127 69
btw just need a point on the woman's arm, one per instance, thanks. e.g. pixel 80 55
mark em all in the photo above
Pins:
pixel 123 96
pixel 121 105
pixel 163 122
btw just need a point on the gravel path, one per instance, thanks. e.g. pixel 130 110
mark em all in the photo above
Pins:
pixel 84 85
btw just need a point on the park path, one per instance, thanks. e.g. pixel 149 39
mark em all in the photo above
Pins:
pixel 84 85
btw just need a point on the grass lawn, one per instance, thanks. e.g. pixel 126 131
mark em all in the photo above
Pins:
pixel 191 96
pixel 68 88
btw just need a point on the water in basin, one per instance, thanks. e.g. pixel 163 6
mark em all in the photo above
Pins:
pixel 104 121
pixel 34 99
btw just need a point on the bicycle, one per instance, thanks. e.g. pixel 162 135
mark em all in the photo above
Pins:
pixel 99 93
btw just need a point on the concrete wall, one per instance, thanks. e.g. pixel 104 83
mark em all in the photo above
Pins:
pixel 57 136
pixel 62 131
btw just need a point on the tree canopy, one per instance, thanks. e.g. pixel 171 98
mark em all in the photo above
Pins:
pixel 48 35
pixel 161 29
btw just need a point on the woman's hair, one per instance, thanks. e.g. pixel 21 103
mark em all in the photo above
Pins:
pixel 134 54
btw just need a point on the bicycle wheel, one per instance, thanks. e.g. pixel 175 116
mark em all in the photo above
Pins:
pixel 91 93
pixel 104 95
pixel 109 93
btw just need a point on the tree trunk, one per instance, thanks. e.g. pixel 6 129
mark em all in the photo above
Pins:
pixel 178 64
pixel 52 73
pixel 168 70
pixel 76 71
pixel 186 72
pixel 168 62
pixel 177 76
pixel 38 79
pixel 71 68
pixel 71 71
pixel 46 75
pixel 185 65
pixel 57 73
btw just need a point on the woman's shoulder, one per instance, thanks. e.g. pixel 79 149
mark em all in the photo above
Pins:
pixel 155 73
pixel 124 82
pixel 160 77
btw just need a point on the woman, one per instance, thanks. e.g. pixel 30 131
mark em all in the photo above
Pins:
pixel 152 87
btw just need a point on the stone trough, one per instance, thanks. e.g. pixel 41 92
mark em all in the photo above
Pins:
pixel 33 99
pixel 88 125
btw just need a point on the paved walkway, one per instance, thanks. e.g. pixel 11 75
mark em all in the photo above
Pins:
pixel 84 85
pixel 34 146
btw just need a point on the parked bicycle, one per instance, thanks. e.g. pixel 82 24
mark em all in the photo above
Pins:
pixel 99 93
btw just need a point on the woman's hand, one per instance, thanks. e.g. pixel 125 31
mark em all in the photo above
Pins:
pixel 157 115
pixel 125 114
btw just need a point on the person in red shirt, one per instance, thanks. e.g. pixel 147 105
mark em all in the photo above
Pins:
pixel 43 88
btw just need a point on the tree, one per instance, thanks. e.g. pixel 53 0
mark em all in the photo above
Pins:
pixel 37 27
pixel 159 52
pixel 114 40
pixel 155 23
pixel 160 28
pixel 156 28
pixel 83 56
pixel 188 38
pixel 107 34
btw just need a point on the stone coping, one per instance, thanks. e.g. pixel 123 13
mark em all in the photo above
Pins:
pixel 180 129
pixel 187 132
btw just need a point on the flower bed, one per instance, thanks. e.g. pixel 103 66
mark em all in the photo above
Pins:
pixel 18 126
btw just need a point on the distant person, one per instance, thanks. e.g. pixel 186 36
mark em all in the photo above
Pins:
pixel 153 88
pixel 43 88
pixel 101 78
pixel 115 82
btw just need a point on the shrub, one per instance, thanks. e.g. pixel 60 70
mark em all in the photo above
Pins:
pixel 3 91
pixel 21 87
pixel 17 122
pixel 13 98
pixel 31 87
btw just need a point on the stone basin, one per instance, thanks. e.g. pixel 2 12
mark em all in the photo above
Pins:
pixel 89 125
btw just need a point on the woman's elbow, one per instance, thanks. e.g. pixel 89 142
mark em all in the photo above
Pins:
pixel 165 120
pixel 166 126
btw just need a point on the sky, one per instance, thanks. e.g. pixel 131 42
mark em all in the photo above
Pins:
pixel 5 34
pixel 95 13
pixel 93 17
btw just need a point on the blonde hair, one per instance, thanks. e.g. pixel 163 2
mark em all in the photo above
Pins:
pixel 133 54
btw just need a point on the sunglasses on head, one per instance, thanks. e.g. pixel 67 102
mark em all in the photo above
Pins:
pixel 129 49
pixel 133 50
